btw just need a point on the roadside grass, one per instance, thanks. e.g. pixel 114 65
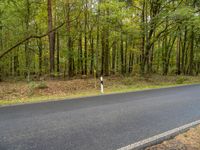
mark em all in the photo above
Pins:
pixel 12 93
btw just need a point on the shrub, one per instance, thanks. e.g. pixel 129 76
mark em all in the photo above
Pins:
pixel 41 85
pixel 33 86
pixel 181 80
pixel 127 81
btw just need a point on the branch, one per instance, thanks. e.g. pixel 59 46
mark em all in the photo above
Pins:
pixel 36 36
pixel 28 38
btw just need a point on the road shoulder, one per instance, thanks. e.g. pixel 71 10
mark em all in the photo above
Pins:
pixel 157 139
pixel 184 141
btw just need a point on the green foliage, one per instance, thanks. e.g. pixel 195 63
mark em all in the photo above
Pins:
pixel 34 86
pixel 126 37
pixel 128 81
pixel 42 85
pixel 181 80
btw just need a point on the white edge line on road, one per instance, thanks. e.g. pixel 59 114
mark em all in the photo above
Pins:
pixel 159 138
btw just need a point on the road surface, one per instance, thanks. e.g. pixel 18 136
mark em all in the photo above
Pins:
pixel 98 123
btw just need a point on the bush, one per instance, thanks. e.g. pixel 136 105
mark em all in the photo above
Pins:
pixel 41 85
pixel 33 86
pixel 181 80
pixel 127 81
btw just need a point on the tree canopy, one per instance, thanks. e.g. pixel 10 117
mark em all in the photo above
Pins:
pixel 99 37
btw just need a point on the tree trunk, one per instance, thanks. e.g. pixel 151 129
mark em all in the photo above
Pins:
pixel 92 54
pixel 178 65
pixel 40 56
pixel 102 51
pixel 69 44
pixel 27 52
pixel 191 53
pixel 58 52
pixel 142 57
pixel 183 51
pixel 125 56
pixel 51 37
pixel 81 54
pixel 1 43
pixel 107 53
pixel 114 48
pixel 16 65
pixel 97 41
pixel 86 40
pixel 122 54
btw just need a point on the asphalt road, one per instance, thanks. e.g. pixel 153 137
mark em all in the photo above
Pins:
pixel 98 123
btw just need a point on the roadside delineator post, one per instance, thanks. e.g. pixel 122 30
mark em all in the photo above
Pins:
pixel 101 85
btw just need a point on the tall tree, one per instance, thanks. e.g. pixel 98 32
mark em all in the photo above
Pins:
pixel 51 37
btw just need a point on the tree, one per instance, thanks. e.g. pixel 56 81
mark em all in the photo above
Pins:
pixel 93 37
pixel 51 37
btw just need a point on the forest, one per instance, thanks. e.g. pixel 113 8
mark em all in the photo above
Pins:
pixel 69 38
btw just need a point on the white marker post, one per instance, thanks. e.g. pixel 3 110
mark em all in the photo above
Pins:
pixel 101 85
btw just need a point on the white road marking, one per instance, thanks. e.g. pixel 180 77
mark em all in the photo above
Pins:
pixel 158 137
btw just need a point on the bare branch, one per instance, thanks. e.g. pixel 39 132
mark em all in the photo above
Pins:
pixel 36 37
pixel 28 38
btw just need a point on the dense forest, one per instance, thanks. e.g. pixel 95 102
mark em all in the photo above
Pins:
pixel 67 38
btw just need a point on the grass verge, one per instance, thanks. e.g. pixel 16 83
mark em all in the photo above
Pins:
pixel 38 91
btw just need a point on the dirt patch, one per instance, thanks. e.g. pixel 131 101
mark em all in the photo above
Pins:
pixel 189 140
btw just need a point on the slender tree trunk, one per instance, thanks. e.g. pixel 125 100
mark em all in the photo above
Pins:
pixel 16 66
pixel 102 51
pixel 81 53
pixel 40 56
pixel 151 57
pixel 107 53
pixel 107 49
pixel 97 52
pixel 51 37
pixel 114 48
pixel 142 57
pixel 1 44
pixel 69 43
pixel 191 53
pixel 27 52
pixel 183 50
pixel 92 54
pixel 97 40
pixel 11 66
pixel 86 39
pixel 125 56
pixel 178 66
pixel 122 54
pixel 58 52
